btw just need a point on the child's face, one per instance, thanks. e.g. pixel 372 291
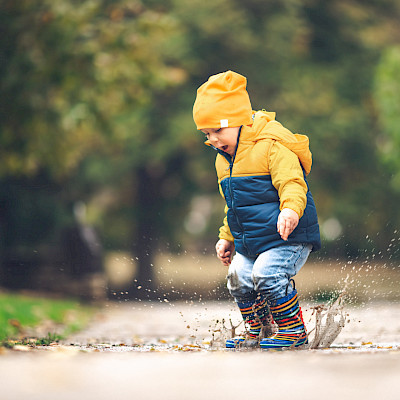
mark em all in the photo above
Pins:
pixel 224 139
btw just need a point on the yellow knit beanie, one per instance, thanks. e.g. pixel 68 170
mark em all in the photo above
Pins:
pixel 222 102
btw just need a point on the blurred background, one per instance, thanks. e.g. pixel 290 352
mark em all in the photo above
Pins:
pixel 106 188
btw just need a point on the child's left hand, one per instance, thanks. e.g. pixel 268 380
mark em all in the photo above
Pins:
pixel 287 222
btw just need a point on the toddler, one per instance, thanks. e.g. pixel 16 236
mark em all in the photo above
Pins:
pixel 271 221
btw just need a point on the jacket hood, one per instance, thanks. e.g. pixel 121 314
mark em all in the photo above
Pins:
pixel 266 127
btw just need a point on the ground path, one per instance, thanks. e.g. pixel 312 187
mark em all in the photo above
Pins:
pixel 162 351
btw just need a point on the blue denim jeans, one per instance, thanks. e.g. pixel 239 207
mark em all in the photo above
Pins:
pixel 268 274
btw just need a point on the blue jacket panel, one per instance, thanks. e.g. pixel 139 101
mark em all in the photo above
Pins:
pixel 253 210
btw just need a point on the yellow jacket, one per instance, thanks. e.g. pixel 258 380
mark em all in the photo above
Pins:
pixel 266 175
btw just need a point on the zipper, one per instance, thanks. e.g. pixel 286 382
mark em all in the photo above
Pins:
pixel 231 160
pixel 234 211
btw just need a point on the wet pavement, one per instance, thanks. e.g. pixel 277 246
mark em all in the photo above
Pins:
pixel 173 351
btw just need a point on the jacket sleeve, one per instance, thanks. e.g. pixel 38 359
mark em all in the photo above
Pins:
pixel 224 231
pixel 288 179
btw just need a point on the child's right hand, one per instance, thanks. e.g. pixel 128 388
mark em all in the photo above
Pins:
pixel 225 249
pixel 287 222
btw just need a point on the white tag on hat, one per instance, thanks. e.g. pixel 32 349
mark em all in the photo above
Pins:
pixel 224 123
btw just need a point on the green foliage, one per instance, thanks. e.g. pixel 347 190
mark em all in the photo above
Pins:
pixel 387 98
pixel 79 78
pixel 97 97
pixel 47 340
pixel 41 341
pixel 19 312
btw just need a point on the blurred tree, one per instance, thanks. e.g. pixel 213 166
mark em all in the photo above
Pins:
pixel 96 106
pixel 326 91
pixel 83 83
pixel 313 62
pixel 387 99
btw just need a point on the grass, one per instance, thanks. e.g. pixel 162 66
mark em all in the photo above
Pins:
pixel 22 316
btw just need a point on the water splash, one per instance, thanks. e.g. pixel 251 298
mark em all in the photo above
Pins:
pixel 220 332
pixel 329 321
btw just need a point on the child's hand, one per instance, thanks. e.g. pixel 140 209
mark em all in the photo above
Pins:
pixel 287 222
pixel 224 249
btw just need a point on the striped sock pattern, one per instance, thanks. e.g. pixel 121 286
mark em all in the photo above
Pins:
pixel 252 313
pixel 287 315
pixel 255 314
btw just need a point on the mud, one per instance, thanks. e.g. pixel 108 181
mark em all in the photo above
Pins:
pixel 180 323
pixel 166 351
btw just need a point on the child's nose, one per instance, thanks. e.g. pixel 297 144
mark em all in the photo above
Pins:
pixel 213 139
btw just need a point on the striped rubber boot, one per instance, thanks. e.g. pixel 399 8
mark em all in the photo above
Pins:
pixel 257 317
pixel 287 315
